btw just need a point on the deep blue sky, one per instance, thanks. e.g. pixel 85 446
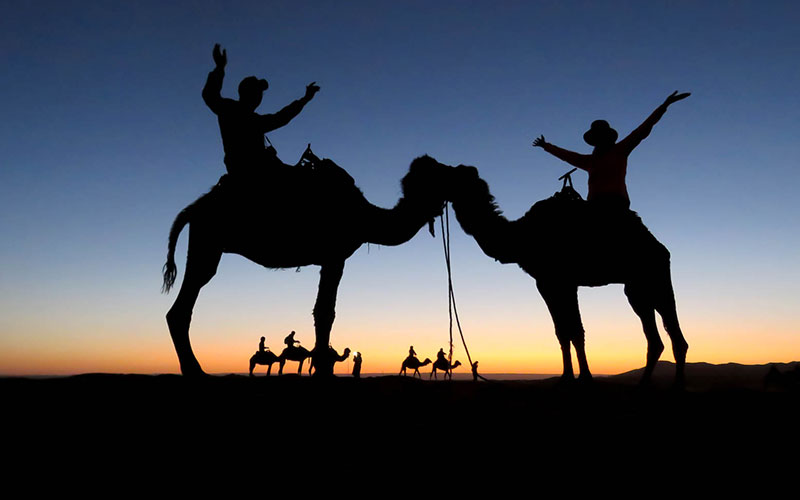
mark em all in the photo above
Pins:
pixel 105 137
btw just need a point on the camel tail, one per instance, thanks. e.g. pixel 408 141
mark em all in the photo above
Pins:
pixel 170 270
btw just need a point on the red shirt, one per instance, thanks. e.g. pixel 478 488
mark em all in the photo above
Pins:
pixel 607 168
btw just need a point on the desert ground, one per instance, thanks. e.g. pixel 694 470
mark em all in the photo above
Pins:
pixel 721 404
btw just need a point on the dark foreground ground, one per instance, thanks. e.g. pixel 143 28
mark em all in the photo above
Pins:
pixel 725 410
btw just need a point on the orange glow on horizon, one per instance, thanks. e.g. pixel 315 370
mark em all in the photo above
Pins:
pixel 514 352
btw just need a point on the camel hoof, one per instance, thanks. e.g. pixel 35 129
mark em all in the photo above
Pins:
pixel 195 374
pixel 679 385
pixel 566 380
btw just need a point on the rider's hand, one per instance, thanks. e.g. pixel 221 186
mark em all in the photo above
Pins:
pixel 220 56
pixel 539 142
pixel 675 97
pixel 311 89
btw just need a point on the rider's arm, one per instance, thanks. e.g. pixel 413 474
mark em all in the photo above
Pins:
pixel 277 120
pixel 574 159
pixel 212 91
pixel 638 135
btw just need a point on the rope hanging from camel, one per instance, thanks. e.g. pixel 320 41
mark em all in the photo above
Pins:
pixel 451 304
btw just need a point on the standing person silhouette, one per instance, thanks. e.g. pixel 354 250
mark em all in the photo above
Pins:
pixel 357 365
pixel 475 374
pixel 243 129
pixel 608 163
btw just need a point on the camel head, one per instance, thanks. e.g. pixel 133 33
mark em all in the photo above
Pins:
pixel 456 364
pixel 468 188
pixel 345 354
pixel 427 183
pixel 426 362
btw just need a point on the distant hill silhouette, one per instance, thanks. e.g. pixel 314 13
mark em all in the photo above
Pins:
pixel 707 375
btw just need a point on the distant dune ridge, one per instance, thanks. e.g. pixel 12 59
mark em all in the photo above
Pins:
pixel 699 375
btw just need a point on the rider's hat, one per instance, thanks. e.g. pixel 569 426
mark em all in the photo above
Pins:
pixel 251 84
pixel 600 132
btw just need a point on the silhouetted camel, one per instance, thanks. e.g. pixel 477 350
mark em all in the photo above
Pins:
pixel 295 353
pixel 334 355
pixel 292 217
pixel 263 358
pixel 300 354
pixel 415 363
pixel 443 365
pixel 565 244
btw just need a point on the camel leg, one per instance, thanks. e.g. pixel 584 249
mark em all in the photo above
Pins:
pixel 269 369
pixel 562 302
pixel 252 366
pixel 642 305
pixel 300 367
pixel 280 367
pixel 201 266
pixel 324 313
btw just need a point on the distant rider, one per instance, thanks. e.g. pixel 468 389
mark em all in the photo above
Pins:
pixel 290 341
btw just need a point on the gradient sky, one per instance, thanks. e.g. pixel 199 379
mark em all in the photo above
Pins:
pixel 104 138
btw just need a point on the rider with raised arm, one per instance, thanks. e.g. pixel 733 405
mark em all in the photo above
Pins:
pixel 608 163
pixel 243 129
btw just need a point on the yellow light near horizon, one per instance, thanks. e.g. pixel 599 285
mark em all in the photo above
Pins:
pixel 511 349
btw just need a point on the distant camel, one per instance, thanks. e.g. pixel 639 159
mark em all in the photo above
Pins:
pixel 263 358
pixel 415 363
pixel 565 244
pixel 333 354
pixel 444 366
pixel 292 217
pixel 294 353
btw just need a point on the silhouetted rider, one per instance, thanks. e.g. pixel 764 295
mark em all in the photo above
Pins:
pixel 608 163
pixel 241 127
pixel 261 346
pixel 290 341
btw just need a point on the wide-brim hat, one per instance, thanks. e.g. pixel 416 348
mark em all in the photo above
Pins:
pixel 253 84
pixel 600 132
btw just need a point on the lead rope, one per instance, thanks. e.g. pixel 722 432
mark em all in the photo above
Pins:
pixel 451 303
